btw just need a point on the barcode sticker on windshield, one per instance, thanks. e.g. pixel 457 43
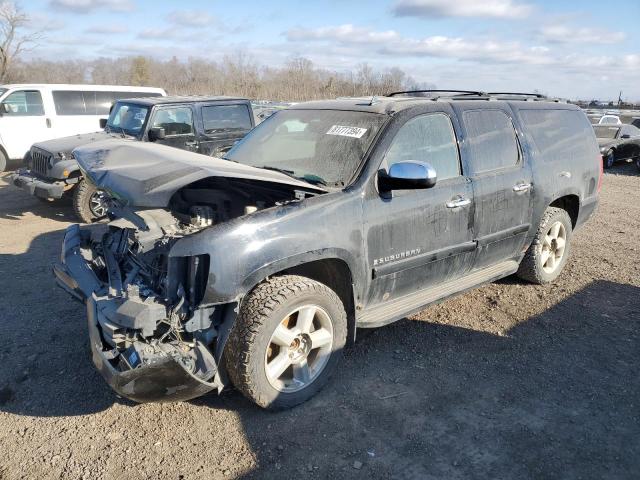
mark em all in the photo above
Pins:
pixel 355 132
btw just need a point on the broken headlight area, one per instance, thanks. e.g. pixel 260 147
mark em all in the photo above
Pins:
pixel 153 340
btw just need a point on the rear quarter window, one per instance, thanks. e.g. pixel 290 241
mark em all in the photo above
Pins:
pixel 560 135
pixel 220 118
pixel 491 140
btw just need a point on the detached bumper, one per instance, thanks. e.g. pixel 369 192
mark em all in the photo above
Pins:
pixel 162 379
pixel 36 186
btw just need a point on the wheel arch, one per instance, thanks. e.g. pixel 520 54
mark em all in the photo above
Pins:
pixel 569 203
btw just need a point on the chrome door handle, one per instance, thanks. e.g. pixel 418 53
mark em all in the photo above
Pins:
pixel 521 187
pixel 458 202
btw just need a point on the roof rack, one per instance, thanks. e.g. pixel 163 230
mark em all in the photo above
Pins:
pixel 476 95
pixel 456 93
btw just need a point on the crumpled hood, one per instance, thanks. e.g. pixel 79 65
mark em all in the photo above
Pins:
pixel 148 174
pixel 67 144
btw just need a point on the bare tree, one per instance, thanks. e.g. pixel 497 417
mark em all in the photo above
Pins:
pixel 12 41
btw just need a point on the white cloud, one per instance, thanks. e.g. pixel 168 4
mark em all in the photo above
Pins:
pixel 191 18
pixel 565 34
pixel 87 6
pixel 462 8
pixel 112 29
pixel 345 33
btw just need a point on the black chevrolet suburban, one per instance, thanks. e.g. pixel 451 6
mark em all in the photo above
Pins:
pixel 206 125
pixel 255 270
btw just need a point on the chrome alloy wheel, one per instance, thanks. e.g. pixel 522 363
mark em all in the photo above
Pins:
pixel 553 247
pixel 299 349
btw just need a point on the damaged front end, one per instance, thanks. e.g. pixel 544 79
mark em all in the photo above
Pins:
pixel 150 338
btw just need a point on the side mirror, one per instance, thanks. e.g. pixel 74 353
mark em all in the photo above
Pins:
pixel 4 108
pixel 103 123
pixel 625 136
pixel 156 133
pixel 407 176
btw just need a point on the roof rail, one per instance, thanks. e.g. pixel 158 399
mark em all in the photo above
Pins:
pixel 516 94
pixel 455 92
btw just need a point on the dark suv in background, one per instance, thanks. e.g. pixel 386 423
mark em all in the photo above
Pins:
pixel 206 125
pixel 330 215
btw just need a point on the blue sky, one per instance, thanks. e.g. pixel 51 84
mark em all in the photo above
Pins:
pixel 575 49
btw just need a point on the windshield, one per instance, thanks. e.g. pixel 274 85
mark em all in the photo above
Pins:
pixel 319 146
pixel 606 132
pixel 127 118
pixel 3 91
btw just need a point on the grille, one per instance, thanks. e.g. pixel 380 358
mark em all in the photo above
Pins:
pixel 40 161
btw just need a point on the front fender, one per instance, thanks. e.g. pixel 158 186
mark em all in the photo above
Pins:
pixel 58 169
pixel 244 251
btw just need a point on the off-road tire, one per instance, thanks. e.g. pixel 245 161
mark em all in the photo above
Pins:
pixel 82 193
pixel 608 159
pixel 530 268
pixel 260 313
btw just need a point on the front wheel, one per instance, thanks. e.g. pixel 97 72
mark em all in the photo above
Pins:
pixel 88 202
pixel 550 248
pixel 609 159
pixel 286 342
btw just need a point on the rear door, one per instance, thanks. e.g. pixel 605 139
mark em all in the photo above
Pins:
pixel 502 184
pixel 23 122
pixel 416 239
pixel 223 125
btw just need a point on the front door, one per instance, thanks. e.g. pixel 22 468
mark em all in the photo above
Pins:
pixel 502 185
pixel 416 239
pixel 23 122
pixel 177 122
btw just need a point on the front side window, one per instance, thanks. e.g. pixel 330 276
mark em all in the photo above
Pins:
pixel 430 139
pixel 174 120
pixel 24 103
pixel 491 140
pixel 225 118
pixel 127 118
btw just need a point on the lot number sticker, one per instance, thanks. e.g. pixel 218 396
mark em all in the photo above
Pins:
pixel 343 131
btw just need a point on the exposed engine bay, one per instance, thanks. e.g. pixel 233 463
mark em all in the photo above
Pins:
pixel 153 337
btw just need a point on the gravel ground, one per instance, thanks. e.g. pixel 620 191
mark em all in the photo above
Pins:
pixel 508 381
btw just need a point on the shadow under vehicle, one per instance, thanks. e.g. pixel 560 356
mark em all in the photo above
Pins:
pixel 256 269
pixel 206 125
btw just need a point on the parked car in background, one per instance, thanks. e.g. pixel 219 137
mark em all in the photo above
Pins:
pixel 329 215
pixel 618 142
pixel 609 120
pixel 206 125
pixel 31 113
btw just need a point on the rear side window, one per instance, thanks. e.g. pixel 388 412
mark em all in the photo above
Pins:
pixel 427 138
pixel 561 135
pixel 85 102
pixel 491 140
pixel 24 103
pixel 221 118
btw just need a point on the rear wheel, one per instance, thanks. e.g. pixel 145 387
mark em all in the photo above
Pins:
pixel 286 342
pixel 550 248
pixel 88 202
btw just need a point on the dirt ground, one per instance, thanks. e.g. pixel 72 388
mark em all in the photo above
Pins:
pixel 508 381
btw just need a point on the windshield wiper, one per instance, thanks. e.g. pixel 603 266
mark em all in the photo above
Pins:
pixel 289 173
pixel 309 178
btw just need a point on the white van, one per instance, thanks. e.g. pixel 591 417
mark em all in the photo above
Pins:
pixel 32 113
